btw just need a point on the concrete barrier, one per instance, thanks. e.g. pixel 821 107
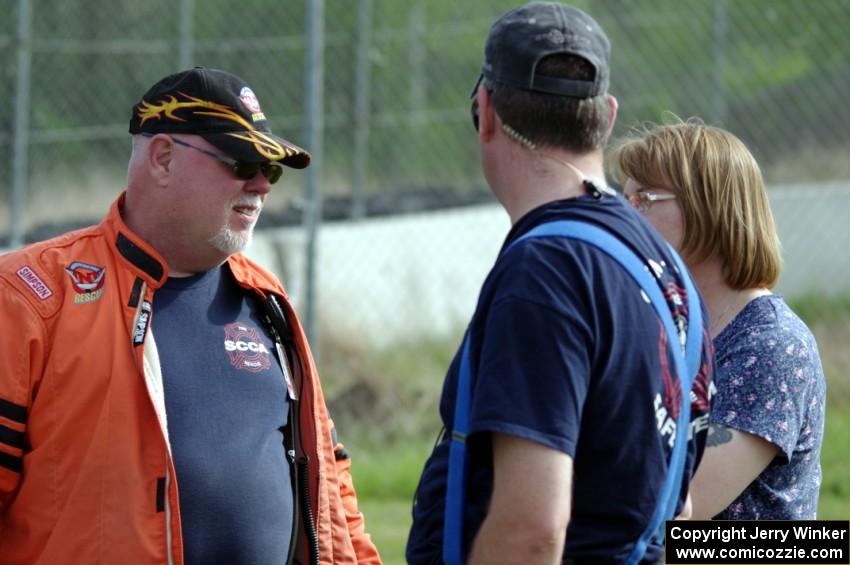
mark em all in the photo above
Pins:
pixel 420 274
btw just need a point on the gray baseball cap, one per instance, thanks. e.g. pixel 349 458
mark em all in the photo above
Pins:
pixel 525 35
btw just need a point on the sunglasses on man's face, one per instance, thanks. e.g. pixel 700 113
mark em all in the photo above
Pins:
pixel 474 95
pixel 241 169
pixel 474 111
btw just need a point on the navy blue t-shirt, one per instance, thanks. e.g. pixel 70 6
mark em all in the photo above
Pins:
pixel 567 352
pixel 226 405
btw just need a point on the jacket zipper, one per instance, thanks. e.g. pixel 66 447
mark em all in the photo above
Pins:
pixel 302 511
pixel 169 537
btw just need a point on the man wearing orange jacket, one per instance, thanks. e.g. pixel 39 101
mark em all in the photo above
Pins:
pixel 158 399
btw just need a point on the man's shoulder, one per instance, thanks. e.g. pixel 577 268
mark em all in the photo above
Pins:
pixel 35 272
pixel 542 245
pixel 610 215
pixel 250 274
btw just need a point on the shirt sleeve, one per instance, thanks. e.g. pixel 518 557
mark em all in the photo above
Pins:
pixel 21 355
pixel 533 375
pixel 763 376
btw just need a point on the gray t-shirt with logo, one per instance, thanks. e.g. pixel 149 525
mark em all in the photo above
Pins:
pixel 226 402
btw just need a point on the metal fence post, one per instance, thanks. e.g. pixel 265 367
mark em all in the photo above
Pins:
pixel 361 109
pixel 416 61
pixel 186 41
pixel 313 96
pixel 20 136
pixel 720 39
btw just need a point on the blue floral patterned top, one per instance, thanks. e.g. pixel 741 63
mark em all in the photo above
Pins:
pixel 770 384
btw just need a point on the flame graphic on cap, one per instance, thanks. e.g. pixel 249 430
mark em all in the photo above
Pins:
pixel 170 105
pixel 265 145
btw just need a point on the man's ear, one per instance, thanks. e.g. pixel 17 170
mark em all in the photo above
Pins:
pixel 612 111
pixel 486 115
pixel 160 156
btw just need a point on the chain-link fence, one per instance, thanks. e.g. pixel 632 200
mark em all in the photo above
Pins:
pixel 391 82
pixel 379 90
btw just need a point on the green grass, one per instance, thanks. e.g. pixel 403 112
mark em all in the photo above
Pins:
pixel 385 478
pixel 388 471
pixel 829 320
pixel 814 308
pixel 388 521
pixel 384 395
pixel 835 491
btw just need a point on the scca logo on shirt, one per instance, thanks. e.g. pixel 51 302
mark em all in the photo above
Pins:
pixel 244 347
pixel 230 345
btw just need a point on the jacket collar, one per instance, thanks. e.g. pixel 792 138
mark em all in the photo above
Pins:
pixel 132 250
pixel 250 275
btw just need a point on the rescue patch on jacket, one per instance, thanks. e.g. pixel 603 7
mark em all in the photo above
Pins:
pixel 87 280
pixel 34 282
pixel 142 323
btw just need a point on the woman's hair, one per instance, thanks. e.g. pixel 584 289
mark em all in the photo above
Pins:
pixel 720 190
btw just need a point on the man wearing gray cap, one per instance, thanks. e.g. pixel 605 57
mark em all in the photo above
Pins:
pixel 567 401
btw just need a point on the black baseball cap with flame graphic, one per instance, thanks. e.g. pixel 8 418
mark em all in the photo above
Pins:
pixel 221 108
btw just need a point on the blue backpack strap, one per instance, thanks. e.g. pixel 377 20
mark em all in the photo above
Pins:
pixel 687 365
pixel 456 483
pixel 693 359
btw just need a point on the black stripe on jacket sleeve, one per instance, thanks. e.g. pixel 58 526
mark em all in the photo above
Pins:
pixel 12 411
pixel 11 462
pixel 12 438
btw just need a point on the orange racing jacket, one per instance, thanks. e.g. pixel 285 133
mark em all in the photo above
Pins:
pixel 86 470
